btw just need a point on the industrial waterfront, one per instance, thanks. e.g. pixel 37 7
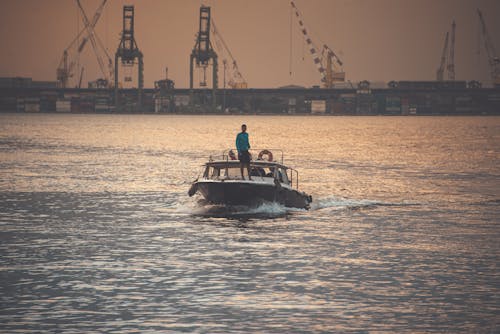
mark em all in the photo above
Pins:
pixel 381 115
pixel 391 101
pixel 222 88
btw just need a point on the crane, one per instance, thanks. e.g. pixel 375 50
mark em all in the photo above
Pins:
pixel 451 63
pixel 448 56
pixel 66 65
pixel 440 71
pixel 92 36
pixel 330 72
pixel 493 59
pixel 203 54
pixel 236 79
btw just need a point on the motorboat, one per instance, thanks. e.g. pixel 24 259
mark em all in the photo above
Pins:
pixel 271 181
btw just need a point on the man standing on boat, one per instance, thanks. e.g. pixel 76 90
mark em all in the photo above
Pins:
pixel 242 145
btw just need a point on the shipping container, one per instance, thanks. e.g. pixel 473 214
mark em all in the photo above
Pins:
pixel 364 104
pixel 162 104
pixel 75 105
pixel 318 106
pixel 8 104
pixel 405 106
pixel 63 105
pixel 15 82
pixel 464 105
pixel 426 85
pixel 393 105
pixel 32 104
pixel 48 101
pixel 493 102
pixel 337 108
pixel 44 84
pixel 348 102
pixel 181 100
pixel 87 104
pixel 101 104
pixel 20 104
pixel 6 82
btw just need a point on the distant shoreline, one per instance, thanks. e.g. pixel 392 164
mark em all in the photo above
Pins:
pixel 243 114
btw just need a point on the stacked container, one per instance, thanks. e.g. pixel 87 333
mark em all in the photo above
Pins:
pixel 63 105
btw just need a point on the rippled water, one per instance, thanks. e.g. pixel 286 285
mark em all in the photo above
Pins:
pixel 98 233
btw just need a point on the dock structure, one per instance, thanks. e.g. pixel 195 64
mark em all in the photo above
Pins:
pixel 403 98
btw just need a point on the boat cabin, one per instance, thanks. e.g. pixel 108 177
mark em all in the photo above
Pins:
pixel 260 171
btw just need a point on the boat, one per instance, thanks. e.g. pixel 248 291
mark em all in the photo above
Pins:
pixel 272 181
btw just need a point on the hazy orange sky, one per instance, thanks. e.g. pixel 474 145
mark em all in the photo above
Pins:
pixel 378 40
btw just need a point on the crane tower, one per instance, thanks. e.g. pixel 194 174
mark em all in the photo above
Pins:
pixel 203 52
pixel 128 53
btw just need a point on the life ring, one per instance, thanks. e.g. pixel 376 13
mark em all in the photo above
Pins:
pixel 267 153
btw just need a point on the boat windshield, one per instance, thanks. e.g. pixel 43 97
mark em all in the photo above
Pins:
pixel 234 173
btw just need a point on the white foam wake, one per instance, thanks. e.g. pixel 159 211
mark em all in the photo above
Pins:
pixel 340 203
pixel 333 202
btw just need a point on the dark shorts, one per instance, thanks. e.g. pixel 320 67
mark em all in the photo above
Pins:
pixel 244 157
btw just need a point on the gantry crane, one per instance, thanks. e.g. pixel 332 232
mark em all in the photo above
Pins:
pixel 203 54
pixel 68 63
pixel 203 51
pixel 330 69
pixel 127 53
pixel 493 59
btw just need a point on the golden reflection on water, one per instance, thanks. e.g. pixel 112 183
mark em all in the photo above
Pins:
pixel 98 233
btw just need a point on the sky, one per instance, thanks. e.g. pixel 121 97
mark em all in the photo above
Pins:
pixel 378 40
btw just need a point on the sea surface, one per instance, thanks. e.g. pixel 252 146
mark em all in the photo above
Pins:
pixel 98 234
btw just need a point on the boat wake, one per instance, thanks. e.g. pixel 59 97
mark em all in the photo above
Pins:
pixel 275 210
pixel 341 203
pixel 202 208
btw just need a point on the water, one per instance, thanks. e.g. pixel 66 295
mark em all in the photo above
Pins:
pixel 98 233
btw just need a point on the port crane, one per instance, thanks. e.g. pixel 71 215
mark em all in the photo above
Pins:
pixel 97 44
pixel 67 66
pixel 328 64
pixel 236 80
pixel 203 54
pixel 448 56
pixel 126 55
pixel 440 71
pixel 451 63
pixel 493 59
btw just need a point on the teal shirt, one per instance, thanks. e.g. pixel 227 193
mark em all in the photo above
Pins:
pixel 242 143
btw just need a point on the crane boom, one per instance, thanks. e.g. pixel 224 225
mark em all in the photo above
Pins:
pixel 329 73
pixel 90 32
pixel 440 71
pixel 65 68
pixel 312 48
pixel 451 62
pixel 236 80
pixel 493 59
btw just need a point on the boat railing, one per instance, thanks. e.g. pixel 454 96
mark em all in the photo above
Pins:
pixel 292 173
pixel 225 153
